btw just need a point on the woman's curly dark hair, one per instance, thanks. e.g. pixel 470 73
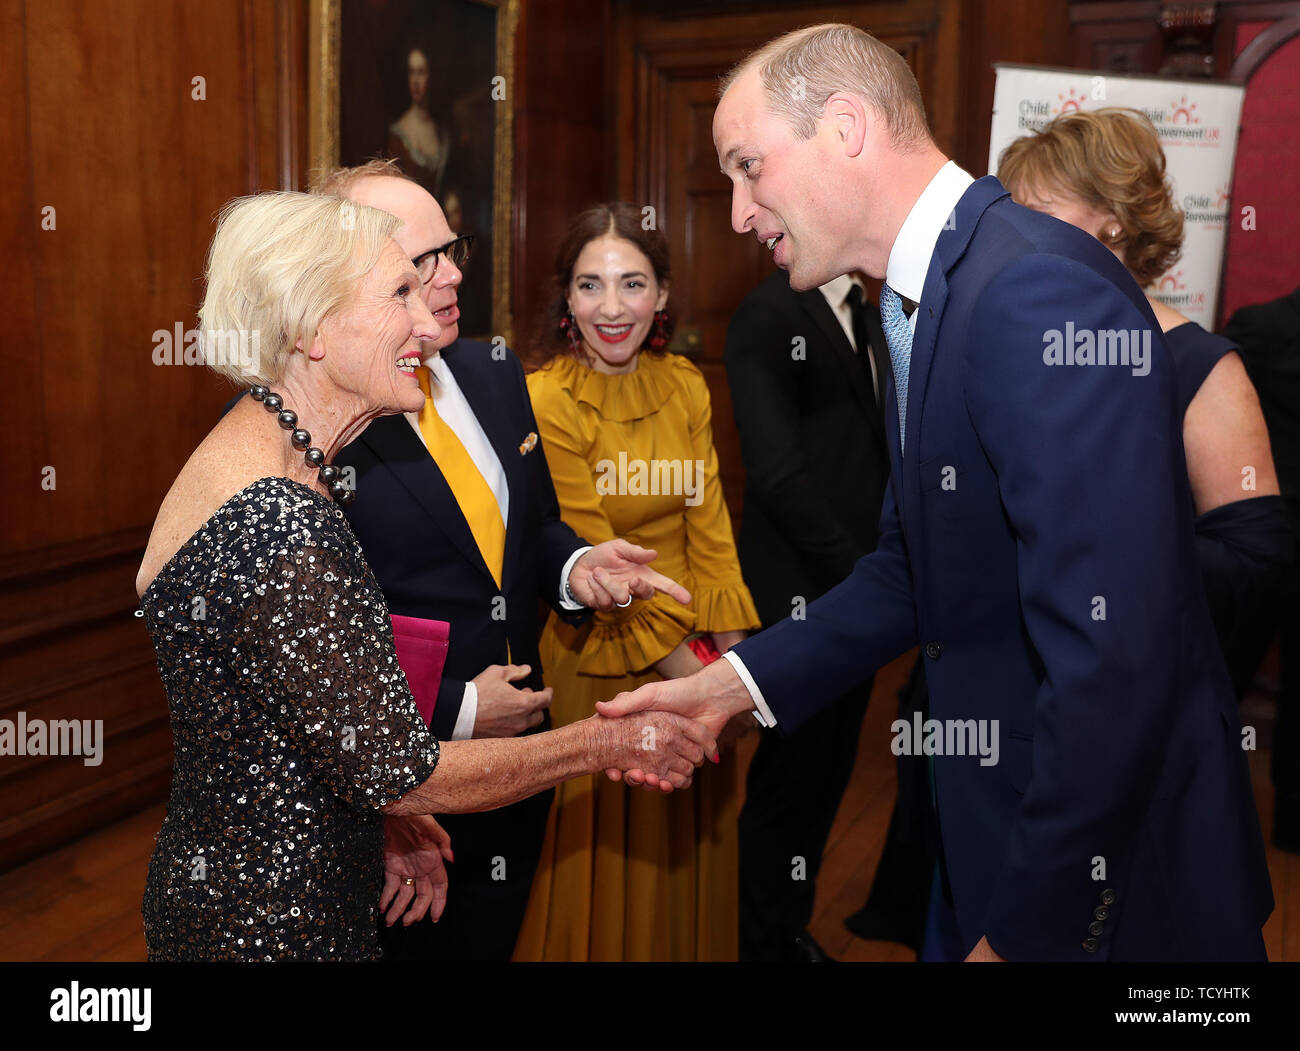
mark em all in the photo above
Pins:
pixel 1110 159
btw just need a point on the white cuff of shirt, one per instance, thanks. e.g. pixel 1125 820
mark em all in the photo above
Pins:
pixel 573 607
pixel 464 728
pixel 763 714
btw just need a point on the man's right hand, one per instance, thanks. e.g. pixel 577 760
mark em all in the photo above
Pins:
pixel 505 710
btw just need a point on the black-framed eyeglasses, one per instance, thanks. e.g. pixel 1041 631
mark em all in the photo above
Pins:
pixel 457 251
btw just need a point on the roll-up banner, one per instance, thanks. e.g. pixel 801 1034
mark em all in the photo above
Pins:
pixel 1197 121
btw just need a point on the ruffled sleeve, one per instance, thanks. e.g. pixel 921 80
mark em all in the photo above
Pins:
pixel 629 641
pixel 722 601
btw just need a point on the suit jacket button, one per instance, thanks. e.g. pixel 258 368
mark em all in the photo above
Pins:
pixel 1100 912
pixel 1095 928
pixel 1091 945
pixel 1108 897
pixel 933 650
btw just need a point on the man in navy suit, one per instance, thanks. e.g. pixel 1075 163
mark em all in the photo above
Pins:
pixel 416 530
pixel 1036 540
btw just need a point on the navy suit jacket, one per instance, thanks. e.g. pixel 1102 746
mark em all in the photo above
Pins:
pixel 1037 540
pixel 421 549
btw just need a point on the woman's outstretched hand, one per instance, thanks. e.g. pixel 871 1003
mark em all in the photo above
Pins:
pixel 414 849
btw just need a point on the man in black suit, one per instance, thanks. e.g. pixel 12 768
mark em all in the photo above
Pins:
pixel 458 518
pixel 806 370
pixel 1269 337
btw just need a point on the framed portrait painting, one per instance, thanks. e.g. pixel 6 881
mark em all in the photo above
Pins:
pixel 428 83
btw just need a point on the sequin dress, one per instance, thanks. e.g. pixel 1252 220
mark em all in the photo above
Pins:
pixel 292 724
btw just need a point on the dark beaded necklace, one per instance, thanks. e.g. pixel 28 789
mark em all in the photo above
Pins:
pixel 313 457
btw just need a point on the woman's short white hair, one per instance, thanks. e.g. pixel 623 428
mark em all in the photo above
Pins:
pixel 801 70
pixel 280 263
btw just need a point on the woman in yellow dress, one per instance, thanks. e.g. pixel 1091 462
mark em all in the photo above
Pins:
pixel 627 432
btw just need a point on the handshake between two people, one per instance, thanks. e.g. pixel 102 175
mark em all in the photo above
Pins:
pixel 712 701
pixel 659 749
pixel 677 716
pixel 653 737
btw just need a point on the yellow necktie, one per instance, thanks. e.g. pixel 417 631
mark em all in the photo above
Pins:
pixel 472 493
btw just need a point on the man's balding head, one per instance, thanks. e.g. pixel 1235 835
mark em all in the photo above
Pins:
pixel 382 185
pixel 801 70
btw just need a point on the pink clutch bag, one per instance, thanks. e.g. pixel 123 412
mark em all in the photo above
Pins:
pixel 422 651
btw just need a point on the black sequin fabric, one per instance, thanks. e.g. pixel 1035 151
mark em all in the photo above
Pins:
pixel 292 724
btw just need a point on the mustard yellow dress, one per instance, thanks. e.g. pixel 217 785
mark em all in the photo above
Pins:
pixel 626 874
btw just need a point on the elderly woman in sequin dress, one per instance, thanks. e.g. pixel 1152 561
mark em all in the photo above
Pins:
pixel 304 776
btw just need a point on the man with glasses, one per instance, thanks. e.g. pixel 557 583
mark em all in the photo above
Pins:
pixel 457 516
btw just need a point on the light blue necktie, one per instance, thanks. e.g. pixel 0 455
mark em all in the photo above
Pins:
pixel 898 334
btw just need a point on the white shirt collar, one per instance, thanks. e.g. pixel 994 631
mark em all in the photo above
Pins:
pixel 909 259
pixel 836 289
pixel 437 367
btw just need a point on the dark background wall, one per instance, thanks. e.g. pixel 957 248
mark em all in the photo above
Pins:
pixel 98 122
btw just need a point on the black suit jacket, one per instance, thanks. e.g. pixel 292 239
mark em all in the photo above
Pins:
pixel 816 462
pixel 421 549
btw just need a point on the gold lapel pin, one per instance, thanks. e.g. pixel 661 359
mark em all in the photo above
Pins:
pixel 528 444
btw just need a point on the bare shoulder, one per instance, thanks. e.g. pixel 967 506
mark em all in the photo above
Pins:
pixel 1167 317
pixel 1226 439
pixel 228 460
pixel 1228 386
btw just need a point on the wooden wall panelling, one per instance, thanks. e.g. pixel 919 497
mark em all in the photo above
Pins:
pixel 562 159
pixel 21 362
pixel 99 112
pixel 1119 37
pixel 1003 31
pixel 667 70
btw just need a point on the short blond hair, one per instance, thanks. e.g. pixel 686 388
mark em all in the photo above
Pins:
pixel 1112 160
pixel 279 265
pixel 801 70
pixel 339 181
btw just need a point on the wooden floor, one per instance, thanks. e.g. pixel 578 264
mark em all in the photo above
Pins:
pixel 82 902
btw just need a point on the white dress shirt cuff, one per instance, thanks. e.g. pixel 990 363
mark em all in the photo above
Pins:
pixel 572 607
pixel 464 728
pixel 763 714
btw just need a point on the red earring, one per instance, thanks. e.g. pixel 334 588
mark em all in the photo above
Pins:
pixel 659 333
pixel 569 329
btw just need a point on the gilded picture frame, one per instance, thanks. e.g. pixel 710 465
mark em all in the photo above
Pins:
pixel 356 49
